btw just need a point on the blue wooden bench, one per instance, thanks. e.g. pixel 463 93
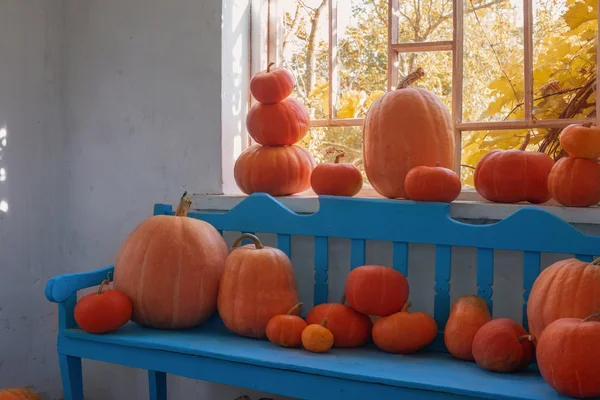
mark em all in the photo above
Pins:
pixel 210 353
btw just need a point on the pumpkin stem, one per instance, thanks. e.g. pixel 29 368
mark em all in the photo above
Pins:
pixel 591 317
pixel 297 307
pixel 104 283
pixel 587 125
pixel 406 306
pixel 337 158
pixel 523 338
pixel 525 142
pixel 257 243
pixel 324 322
pixel 596 261
pixel 184 205
pixel 411 78
pixel 269 66
pixel 437 164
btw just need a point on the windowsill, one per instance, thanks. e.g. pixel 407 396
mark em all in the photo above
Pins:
pixel 468 206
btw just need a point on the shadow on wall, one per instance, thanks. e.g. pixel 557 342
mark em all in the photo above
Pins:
pixel 3 189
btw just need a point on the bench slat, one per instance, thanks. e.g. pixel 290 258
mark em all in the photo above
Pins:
pixel 531 270
pixel 400 257
pixel 443 259
pixel 284 243
pixel 357 253
pixel 485 275
pixel 321 288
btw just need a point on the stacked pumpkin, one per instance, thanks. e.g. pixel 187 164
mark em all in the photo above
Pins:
pixel 275 165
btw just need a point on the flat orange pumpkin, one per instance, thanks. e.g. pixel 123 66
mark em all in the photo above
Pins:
pixel 279 124
pixel 435 184
pixel 581 141
pixel 336 179
pixel 575 182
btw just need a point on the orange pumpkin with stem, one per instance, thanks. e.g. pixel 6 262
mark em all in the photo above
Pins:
pixel 467 315
pixel 568 356
pixel 336 179
pixel 512 176
pixel 170 268
pixel 349 327
pixel 437 184
pixel 581 141
pixel 376 290
pixel 575 182
pixel 286 330
pixel 278 171
pixel 279 124
pixel 404 332
pixel 403 129
pixel 272 86
pixel 566 289
pixel 18 394
pixel 258 283
pixel 317 338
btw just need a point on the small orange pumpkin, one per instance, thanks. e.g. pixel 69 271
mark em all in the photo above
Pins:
pixel 103 311
pixel 278 171
pixel 502 345
pixel 568 356
pixel 350 328
pixel 575 182
pixel 286 330
pixel 317 338
pixel 249 270
pixel 404 332
pixel 273 85
pixel 581 141
pixel 467 315
pixel 376 290
pixel 335 179
pixel 437 184
pixel 577 284
pixel 18 394
pixel 279 124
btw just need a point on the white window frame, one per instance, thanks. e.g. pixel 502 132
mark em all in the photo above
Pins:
pixel 267 41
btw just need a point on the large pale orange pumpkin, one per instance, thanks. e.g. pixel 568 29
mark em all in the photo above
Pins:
pixel 403 129
pixel 581 141
pixel 258 283
pixel 279 124
pixel 568 355
pixel 566 289
pixel 278 171
pixel 575 182
pixel 170 267
pixel 18 394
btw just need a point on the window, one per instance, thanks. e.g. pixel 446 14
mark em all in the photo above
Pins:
pixel 509 70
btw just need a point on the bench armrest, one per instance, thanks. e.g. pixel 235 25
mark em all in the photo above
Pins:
pixel 62 287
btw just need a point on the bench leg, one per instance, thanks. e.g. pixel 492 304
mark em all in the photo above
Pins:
pixel 158 385
pixel 72 379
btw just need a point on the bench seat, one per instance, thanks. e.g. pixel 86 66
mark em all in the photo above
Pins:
pixel 212 353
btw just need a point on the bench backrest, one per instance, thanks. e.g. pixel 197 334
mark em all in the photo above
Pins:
pixel 530 230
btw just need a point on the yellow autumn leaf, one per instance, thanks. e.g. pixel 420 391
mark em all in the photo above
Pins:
pixel 578 14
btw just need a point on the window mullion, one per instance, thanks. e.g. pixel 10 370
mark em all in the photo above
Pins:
pixel 528 58
pixel 333 58
pixel 392 73
pixel 457 78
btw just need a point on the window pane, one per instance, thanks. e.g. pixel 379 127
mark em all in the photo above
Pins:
pixel 564 58
pixel 362 55
pixel 493 61
pixel 305 49
pixel 423 20
pixel 438 72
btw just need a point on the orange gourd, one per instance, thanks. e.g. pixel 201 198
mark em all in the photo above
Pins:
pixel 403 129
pixel 568 356
pixel 512 176
pixel 432 184
pixel 317 338
pixel 170 268
pixel 103 311
pixel 566 289
pixel 258 283
pixel 18 394
pixel 280 124
pixel 286 330
pixel 467 315
pixel 404 332
pixel 336 179
pixel 575 182
pixel 350 328
pixel 272 86
pixel 502 345
pixel 581 141
pixel 376 290
pixel 278 171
